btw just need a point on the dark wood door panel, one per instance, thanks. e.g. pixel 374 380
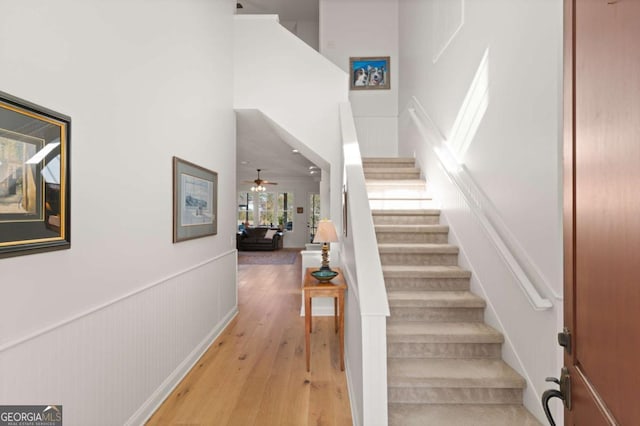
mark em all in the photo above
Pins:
pixel 606 194
pixel 590 411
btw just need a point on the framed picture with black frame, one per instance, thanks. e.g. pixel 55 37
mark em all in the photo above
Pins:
pixel 35 186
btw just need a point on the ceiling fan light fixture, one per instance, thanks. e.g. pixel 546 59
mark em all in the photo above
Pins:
pixel 259 187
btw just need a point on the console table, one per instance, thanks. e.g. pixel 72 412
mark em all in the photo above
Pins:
pixel 335 289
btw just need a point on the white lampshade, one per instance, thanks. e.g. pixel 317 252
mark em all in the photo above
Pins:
pixel 326 232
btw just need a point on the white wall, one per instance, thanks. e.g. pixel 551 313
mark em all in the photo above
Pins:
pixel 299 94
pixel 100 327
pixel 300 190
pixel 515 155
pixel 488 73
pixel 360 28
pixel 306 31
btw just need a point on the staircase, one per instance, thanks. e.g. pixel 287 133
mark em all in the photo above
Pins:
pixel 444 364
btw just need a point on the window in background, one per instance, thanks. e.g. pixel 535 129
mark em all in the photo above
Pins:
pixel 245 209
pixel 266 208
pixel 285 210
pixel 314 214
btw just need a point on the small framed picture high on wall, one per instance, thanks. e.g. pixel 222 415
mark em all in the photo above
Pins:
pixel 370 73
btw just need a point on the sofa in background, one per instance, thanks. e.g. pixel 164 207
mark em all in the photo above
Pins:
pixel 259 239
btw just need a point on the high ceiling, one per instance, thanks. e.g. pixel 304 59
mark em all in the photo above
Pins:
pixel 258 145
pixel 288 10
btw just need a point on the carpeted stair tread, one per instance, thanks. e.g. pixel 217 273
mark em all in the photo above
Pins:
pixel 452 373
pixel 434 299
pixel 384 161
pixel 424 271
pixel 460 415
pixel 412 228
pixel 390 175
pixel 443 361
pixel 392 169
pixel 395 183
pixel 417 248
pixel 444 332
pixel 405 212
pixel 397 213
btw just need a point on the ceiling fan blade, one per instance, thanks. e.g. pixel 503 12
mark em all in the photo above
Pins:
pixel 266 182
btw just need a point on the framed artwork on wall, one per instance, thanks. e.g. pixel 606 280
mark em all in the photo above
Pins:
pixel 195 201
pixel 34 178
pixel 370 73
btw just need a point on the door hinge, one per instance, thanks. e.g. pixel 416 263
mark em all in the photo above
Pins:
pixel 564 339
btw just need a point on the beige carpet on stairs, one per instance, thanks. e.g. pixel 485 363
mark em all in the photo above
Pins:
pixel 444 363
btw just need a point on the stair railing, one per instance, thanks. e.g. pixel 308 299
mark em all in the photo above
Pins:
pixel 361 264
pixel 457 173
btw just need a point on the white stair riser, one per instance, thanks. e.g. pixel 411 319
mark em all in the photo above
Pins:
pixel 427 284
pixel 409 185
pixel 392 204
pixel 436 314
pixel 419 259
pixel 434 395
pixel 443 350
pixel 382 192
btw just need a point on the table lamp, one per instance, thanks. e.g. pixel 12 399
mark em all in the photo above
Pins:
pixel 325 234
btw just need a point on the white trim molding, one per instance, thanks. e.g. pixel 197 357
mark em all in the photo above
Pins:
pixel 518 262
pixel 136 348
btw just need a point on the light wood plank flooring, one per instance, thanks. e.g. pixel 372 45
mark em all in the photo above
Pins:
pixel 254 373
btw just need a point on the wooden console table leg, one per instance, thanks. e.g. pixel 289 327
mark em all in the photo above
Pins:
pixel 310 314
pixel 335 313
pixel 307 328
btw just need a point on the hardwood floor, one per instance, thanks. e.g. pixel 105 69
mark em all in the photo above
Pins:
pixel 255 373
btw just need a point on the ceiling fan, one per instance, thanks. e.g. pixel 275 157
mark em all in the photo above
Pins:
pixel 259 183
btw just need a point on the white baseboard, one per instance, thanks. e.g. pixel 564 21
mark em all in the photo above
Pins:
pixel 142 415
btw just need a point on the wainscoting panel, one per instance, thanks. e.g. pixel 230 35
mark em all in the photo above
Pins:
pixel 377 136
pixel 114 365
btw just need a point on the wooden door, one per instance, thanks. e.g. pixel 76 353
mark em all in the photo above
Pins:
pixel 602 210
